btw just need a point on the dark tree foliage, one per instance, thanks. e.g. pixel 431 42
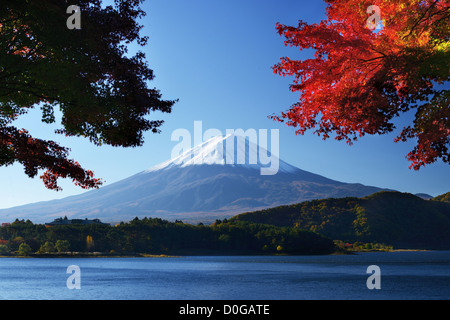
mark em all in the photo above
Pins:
pixel 101 91
pixel 157 236
pixel 400 219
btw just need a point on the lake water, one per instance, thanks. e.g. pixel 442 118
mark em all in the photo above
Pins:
pixel 404 275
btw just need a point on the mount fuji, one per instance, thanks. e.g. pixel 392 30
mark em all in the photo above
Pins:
pixel 205 183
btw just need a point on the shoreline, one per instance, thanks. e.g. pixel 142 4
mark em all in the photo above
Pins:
pixel 147 255
pixel 90 255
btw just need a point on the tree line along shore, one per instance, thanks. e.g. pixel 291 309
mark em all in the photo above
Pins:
pixel 155 236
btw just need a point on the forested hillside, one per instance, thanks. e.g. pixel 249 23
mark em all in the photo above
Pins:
pixel 399 219
pixel 157 236
pixel 443 197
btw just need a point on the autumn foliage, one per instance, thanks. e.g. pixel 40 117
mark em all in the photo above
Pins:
pixel 361 79
pixel 35 154
pixel 100 89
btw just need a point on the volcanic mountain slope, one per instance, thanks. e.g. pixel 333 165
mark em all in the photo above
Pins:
pixel 197 186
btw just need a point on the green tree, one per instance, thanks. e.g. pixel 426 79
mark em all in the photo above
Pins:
pixel 360 223
pixel 47 247
pixel 4 250
pixel 24 249
pixel 224 241
pixel 62 245
pixel 101 91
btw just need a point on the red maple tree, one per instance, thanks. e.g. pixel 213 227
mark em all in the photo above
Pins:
pixel 360 79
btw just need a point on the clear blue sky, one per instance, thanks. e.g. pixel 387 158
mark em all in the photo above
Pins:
pixel 216 57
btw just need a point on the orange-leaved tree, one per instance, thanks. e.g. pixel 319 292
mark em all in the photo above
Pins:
pixel 360 79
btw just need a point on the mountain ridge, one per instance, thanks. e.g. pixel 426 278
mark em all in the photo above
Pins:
pixel 390 217
pixel 196 191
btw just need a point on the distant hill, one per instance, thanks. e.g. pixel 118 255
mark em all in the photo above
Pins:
pixel 443 197
pixel 399 219
pixel 424 196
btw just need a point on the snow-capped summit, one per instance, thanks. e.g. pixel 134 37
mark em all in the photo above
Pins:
pixel 216 179
pixel 209 152
pixel 231 150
